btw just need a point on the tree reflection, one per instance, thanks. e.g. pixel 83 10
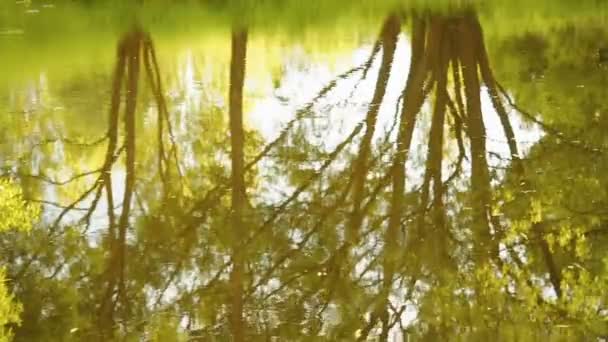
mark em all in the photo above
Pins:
pixel 299 237
pixel 238 195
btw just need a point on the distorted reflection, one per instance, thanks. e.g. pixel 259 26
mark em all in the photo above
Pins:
pixel 431 185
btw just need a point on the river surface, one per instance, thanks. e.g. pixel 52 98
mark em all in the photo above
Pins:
pixel 304 171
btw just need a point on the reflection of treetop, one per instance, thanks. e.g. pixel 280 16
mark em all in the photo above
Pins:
pixel 193 228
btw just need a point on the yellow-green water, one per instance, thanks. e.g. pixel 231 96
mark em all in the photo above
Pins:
pixel 303 171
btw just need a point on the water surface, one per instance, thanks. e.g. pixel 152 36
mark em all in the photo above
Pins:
pixel 281 171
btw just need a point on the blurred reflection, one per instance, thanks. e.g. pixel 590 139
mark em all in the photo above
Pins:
pixel 443 224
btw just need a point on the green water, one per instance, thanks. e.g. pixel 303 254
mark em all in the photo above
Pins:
pixel 303 171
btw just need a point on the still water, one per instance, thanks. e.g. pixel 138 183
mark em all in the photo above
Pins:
pixel 289 171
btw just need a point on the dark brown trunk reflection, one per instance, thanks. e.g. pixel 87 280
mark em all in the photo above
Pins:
pixel 341 264
pixel 115 288
pixel 480 181
pixel 388 39
pixel 412 101
pixel 237 77
pixel 134 48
